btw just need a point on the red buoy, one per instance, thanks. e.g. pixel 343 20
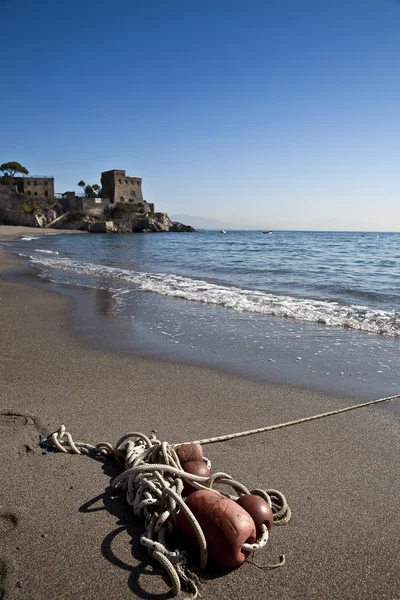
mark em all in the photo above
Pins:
pixel 258 509
pixel 195 467
pixel 189 452
pixel 225 524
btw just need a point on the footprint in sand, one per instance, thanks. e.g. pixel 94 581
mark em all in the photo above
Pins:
pixel 8 522
pixel 19 431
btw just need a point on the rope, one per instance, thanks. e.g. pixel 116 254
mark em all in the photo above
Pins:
pixel 153 480
pixel 233 436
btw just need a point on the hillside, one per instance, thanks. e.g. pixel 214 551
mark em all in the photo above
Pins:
pixel 16 209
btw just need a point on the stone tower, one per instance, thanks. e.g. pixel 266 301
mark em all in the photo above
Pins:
pixel 121 188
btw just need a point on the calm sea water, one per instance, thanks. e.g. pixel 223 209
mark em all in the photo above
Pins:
pixel 327 305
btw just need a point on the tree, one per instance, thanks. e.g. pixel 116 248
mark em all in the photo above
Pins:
pixel 95 187
pixel 89 191
pixel 82 184
pixel 9 169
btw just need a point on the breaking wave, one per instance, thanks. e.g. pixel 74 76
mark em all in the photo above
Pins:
pixel 330 313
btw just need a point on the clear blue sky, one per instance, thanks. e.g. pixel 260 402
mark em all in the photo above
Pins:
pixel 272 113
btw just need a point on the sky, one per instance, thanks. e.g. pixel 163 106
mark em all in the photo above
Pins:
pixel 270 114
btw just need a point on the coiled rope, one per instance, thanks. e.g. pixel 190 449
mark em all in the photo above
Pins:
pixel 153 480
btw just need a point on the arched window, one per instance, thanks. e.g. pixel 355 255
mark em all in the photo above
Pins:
pixel 122 199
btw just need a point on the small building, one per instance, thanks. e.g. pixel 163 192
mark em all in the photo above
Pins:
pixel 94 206
pixel 119 187
pixel 35 185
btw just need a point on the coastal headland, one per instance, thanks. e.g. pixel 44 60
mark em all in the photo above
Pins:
pixel 63 532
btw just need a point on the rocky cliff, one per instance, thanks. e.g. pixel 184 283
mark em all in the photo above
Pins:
pixel 16 209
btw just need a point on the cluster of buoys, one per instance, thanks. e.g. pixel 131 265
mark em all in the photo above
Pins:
pixel 227 524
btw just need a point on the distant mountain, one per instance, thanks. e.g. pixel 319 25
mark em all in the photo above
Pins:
pixel 202 222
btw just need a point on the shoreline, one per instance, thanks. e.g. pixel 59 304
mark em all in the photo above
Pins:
pixel 334 472
pixel 309 356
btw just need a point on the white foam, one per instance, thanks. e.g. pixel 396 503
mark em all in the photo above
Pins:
pixel 329 313
pixel 28 238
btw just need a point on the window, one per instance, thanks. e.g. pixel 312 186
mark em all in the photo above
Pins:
pixel 35 183
pixel 28 183
pixel 119 181
pixel 133 194
pixel 126 181
pixel 35 193
pixel 122 199
pixel 46 193
pixel 45 183
pixel 29 193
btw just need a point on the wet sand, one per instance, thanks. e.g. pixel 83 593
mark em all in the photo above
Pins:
pixel 61 531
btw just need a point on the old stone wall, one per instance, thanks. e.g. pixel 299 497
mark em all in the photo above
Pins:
pixel 95 206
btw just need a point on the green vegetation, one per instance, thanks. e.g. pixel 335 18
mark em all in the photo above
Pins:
pixel 123 207
pixel 128 208
pixel 9 170
pixel 92 191
pixel 89 193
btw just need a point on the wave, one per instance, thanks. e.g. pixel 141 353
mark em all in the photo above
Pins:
pixel 46 251
pixel 333 314
pixel 28 238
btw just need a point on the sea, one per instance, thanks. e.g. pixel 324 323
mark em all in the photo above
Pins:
pixel 320 310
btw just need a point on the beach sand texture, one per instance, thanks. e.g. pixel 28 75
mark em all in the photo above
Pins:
pixel 62 532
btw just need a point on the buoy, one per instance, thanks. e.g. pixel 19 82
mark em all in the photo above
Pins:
pixel 225 524
pixel 189 452
pixel 195 467
pixel 259 510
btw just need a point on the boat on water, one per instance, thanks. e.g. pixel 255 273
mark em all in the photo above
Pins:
pixel 267 231
pixel 222 231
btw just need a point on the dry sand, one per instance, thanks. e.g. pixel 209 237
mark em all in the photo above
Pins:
pixel 63 535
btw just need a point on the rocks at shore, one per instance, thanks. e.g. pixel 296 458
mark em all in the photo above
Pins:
pixel 17 209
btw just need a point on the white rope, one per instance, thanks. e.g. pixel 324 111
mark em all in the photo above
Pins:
pixel 154 479
pixel 233 436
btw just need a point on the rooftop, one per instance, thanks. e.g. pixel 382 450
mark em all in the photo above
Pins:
pixel 34 177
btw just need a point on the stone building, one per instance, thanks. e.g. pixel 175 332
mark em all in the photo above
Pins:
pixel 93 206
pixel 121 188
pixel 35 185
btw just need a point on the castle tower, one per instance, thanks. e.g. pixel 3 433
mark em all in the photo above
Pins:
pixel 121 188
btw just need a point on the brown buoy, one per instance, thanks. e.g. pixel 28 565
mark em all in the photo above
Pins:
pixel 189 452
pixel 258 509
pixel 195 467
pixel 225 524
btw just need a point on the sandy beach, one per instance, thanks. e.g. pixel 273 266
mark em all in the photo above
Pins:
pixel 64 534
